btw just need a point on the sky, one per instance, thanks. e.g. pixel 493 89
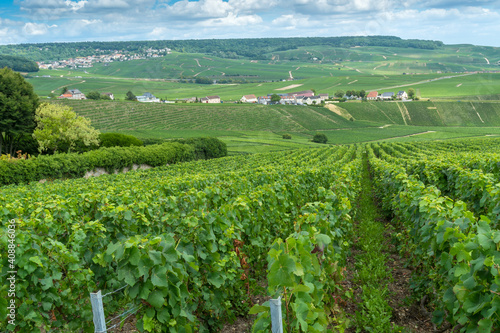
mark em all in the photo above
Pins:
pixel 452 22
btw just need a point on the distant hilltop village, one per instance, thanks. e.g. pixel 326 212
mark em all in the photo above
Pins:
pixel 117 55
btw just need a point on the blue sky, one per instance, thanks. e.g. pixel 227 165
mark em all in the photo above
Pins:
pixel 453 22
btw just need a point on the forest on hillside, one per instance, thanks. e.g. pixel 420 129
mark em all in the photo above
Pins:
pixel 19 64
pixel 254 48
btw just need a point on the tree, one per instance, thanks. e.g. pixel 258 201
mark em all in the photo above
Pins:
pixel 104 97
pixel 18 103
pixel 275 98
pixel 130 96
pixel 339 93
pixel 94 95
pixel 64 90
pixel 411 93
pixel 362 93
pixel 320 138
pixel 58 126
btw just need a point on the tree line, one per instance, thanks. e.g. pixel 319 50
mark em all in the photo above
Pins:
pixel 253 48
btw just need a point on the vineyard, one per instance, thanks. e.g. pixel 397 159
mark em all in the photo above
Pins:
pixel 192 244
pixel 116 116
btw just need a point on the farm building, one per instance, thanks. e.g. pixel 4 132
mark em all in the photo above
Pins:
pixel 110 95
pixel 73 94
pixel 148 98
pixel 386 96
pixel 402 94
pixel 372 95
pixel 264 100
pixel 249 99
pixel 211 99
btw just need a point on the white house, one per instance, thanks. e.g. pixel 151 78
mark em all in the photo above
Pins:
pixel 386 95
pixel 110 95
pixel 323 97
pixel 73 94
pixel 211 99
pixel 249 99
pixel 148 98
pixel 264 100
pixel 402 94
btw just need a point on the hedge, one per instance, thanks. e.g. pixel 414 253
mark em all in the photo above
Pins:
pixel 74 165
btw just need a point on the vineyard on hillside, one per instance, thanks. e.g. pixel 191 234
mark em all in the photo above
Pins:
pixel 119 115
pixel 191 244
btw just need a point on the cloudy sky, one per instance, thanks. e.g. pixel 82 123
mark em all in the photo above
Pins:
pixel 453 22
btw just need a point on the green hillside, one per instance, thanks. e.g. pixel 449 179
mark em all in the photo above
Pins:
pixel 470 113
pixel 258 128
pixel 119 115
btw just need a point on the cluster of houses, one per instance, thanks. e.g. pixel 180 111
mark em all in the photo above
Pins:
pixel 77 94
pixel 73 94
pixel 306 97
pixel 87 62
pixel 387 96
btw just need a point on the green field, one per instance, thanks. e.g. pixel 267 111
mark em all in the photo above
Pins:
pixel 453 96
pixel 440 73
pixel 257 128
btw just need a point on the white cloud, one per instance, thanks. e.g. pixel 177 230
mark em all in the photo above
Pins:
pixel 200 9
pixel 240 6
pixel 232 20
pixel 290 21
pixel 37 29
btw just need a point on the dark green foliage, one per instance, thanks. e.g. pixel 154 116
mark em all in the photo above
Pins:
pixel 18 103
pixel 119 140
pixel 94 95
pixel 275 98
pixel 204 80
pixel 320 138
pixel 76 165
pixel 152 141
pixel 411 93
pixel 18 64
pixel 27 144
pixel 206 148
pixel 287 136
pixel 130 96
pixel 339 93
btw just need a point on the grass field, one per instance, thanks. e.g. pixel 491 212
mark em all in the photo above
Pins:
pixel 435 86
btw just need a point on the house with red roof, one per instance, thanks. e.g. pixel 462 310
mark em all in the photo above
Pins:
pixel 372 95
pixel 249 99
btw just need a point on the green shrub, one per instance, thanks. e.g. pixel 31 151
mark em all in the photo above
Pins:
pixel 205 148
pixel 287 136
pixel 320 138
pixel 119 140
